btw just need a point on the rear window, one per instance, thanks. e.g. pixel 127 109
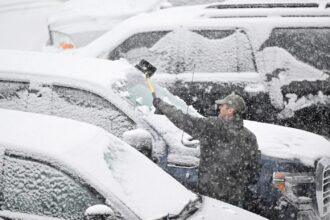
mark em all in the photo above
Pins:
pixel 177 51
pixel 309 45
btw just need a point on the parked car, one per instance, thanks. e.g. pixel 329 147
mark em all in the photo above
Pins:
pixel 276 55
pixel 80 22
pixel 23 23
pixel 61 168
pixel 115 96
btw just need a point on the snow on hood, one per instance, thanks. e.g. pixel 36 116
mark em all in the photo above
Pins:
pixel 215 209
pixel 289 143
pixel 107 163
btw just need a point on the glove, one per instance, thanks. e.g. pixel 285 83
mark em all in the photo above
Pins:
pixel 156 102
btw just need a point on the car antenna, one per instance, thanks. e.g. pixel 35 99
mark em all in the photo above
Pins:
pixel 192 80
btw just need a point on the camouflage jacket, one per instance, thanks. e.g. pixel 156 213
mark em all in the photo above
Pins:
pixel 230 159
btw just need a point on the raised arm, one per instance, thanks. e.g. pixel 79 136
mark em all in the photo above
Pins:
pixel 188 123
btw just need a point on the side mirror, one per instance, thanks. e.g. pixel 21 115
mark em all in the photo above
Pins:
pixel 99 212
pixel 140 139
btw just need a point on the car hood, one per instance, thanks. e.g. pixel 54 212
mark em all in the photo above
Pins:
pixel 215 209
pixel 289 143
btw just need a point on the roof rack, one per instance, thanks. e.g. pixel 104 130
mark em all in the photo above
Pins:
pixel 265 5
pixel 230 10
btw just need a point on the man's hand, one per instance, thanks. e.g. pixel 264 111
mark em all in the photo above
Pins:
pixel 156 102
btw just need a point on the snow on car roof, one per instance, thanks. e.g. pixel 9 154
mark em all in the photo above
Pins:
pixel 62 66
pixel 79 15
pixel 109 164
pixel 196 16
pixel 107 8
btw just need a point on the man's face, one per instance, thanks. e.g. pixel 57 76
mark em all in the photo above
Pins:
pixel 225 111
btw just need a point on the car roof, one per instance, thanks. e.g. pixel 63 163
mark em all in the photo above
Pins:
pixel 36 64
pixel 19 5
pixel 205 17
pixel 82 149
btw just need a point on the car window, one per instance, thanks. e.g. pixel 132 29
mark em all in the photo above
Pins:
pixel 211 51
pixel 33 187
pixel 309 45
pixel 65 102
pixel 86 106
pixel 75 104
pixel 13 95
pixel 140 40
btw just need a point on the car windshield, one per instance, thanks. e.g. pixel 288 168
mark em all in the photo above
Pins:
pixel 139 183
pixel 140 95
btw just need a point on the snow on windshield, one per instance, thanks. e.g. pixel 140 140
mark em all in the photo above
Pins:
pixel 136 90
pixel 178 51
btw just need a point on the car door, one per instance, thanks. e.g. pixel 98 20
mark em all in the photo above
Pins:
pixel 37 187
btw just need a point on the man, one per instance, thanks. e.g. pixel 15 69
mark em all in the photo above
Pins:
pixel 229 161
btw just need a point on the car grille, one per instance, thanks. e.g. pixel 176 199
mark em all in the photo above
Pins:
pixel 323 186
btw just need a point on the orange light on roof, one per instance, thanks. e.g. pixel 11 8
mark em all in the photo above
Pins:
pixel 65 45
pixel 279 180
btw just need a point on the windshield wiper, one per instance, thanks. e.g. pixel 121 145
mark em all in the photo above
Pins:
pixel 188 210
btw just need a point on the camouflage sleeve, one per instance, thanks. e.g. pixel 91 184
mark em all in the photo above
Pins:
pixel 190 124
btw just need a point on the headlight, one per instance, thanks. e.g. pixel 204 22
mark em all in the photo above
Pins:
pixel 60 40
pixel 296 184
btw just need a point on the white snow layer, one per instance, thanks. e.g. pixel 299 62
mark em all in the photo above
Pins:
pixel 67 70
pixel 98 8
pixel 289 143
pixel 108 164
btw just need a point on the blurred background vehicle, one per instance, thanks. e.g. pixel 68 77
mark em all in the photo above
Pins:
pixel 81 21
pixel 23 23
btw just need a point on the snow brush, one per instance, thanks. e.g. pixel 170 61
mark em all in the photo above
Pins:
pixel 148 70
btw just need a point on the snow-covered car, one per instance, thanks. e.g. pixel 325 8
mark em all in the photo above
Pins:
pixel 115 96
pixel 276 55
pixel 65 169
pixel 81 21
